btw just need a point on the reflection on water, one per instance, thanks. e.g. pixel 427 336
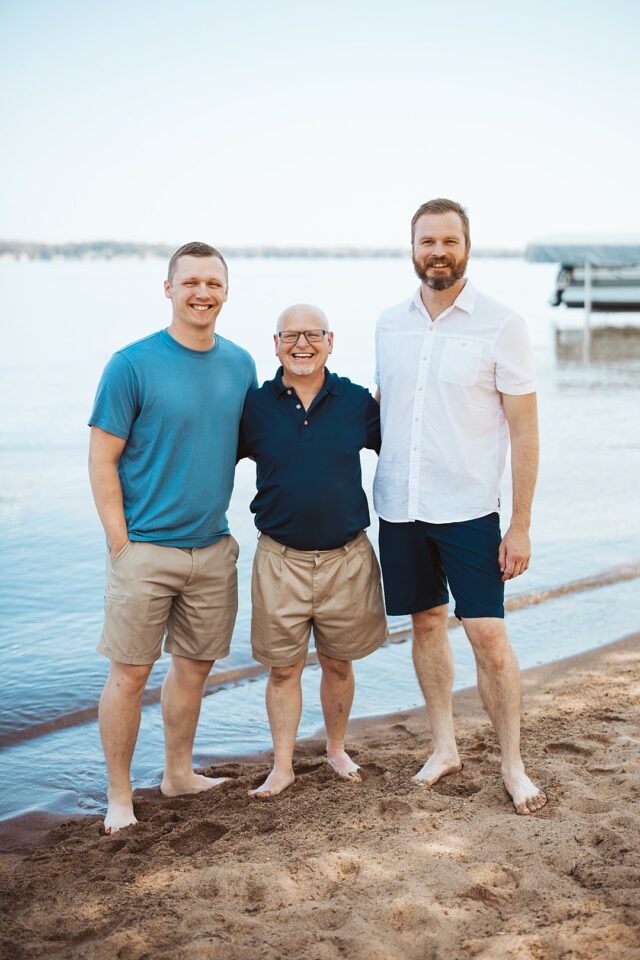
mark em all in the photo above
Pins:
pixel 52 559
pixel 611 345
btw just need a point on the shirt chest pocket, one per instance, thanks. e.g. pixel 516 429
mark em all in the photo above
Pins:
pixel 461 360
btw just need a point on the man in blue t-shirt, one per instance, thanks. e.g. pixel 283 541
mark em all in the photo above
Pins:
pixel 164 434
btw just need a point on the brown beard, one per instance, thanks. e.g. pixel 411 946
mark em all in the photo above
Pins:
pixel 441 283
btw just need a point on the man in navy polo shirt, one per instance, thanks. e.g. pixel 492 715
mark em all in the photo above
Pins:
pixel 314 565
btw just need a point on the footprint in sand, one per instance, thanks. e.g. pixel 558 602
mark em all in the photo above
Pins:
pixel 193 839
pixel 492 883
pixel 563 746
pixel 372 770
pixel 402 728
pixel 394 808
pixel 449 787
pixel 608 844
pixel 589 805
pixel 600 737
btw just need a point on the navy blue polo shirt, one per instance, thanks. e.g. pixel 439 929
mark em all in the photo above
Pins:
pixel 309 480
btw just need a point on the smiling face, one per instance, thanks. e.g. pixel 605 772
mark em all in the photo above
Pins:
pixel 303 359
pixel 440 253
pixel 197 290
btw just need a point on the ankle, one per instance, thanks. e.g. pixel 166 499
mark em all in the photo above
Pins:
pixel 120 793
pixel 282 765
pixel 512 768
pixel 177 774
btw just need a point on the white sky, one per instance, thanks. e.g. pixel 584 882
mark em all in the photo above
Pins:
pixel 316 121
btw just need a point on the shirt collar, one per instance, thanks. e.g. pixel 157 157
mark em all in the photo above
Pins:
pixel 466 299
pixel 331 385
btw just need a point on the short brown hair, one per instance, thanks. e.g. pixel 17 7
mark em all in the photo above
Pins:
pixel 443 206
pixel 195 249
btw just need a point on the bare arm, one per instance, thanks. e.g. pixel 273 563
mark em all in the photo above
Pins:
pixel 377 395
pixel 105 450
pixel 522 417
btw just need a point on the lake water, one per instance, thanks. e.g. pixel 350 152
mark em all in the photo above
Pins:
pixel 60 323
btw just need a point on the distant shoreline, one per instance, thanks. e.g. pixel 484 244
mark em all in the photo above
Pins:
pixel 112 249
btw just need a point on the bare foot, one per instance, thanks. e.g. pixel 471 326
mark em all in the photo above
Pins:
pixel 342 764
pixel 119 814
pixel 196 783
pixel 275 783
pixel 527 798
pixel 437 767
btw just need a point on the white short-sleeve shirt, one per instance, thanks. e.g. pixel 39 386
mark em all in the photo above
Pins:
pixel 444 431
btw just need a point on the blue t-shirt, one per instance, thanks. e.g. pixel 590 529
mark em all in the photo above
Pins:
pixel 179 411
pixel 309 481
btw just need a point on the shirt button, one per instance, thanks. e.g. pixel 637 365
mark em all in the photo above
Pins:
pixel 289 392
pixel 297 406
pixel 306 423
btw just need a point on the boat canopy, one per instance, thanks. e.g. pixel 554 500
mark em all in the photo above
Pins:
pixel 576 251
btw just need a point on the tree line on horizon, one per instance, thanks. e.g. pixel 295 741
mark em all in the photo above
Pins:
pixel 113 249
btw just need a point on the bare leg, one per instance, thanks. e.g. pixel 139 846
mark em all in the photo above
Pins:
pixel 499 686
pixel 434 667
pixel 119 720
pixel 284 707
pixel 336 695
pixel 182 692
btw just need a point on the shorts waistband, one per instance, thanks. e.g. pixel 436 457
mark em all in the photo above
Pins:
pixel 311 556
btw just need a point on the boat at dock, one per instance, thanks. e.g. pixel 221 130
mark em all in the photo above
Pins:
pixel 596 300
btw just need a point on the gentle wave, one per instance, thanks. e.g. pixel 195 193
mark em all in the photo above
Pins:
pixel 612 575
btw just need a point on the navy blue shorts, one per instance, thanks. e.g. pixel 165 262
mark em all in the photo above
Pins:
pixel 418 559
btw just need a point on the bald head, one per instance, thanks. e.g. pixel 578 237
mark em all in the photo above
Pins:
pixel 301 356
pixel 302 313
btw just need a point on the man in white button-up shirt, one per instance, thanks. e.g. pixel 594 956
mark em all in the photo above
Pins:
pixel 456 382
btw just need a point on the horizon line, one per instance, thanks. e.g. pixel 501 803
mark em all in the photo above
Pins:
pixel 108 249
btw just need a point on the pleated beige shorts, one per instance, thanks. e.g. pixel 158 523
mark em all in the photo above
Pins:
pixel 186 597
pixel 335 592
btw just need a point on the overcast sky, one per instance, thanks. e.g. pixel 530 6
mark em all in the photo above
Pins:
pixel 316 123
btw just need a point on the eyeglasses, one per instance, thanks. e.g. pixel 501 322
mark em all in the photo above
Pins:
pixel 311 336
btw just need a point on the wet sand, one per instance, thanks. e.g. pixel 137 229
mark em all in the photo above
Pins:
pixel 376 871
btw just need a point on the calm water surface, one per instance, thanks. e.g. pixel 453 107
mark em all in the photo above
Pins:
pixel 61 322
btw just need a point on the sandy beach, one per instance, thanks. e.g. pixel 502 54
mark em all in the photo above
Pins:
pixel 376 871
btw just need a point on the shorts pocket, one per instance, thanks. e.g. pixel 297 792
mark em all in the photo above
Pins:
pixel 461 361
pixel 266 579
pixel 235 546
pixel 121 553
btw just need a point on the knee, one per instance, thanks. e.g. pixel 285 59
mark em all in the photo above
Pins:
pixel 489 642
pixel 282 676
pixel 130 678
pixel 190 673
pixel 336 669
pixel 427 623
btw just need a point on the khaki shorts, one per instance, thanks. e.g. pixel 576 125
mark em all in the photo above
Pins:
pixel 188 595
pixel 337 592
